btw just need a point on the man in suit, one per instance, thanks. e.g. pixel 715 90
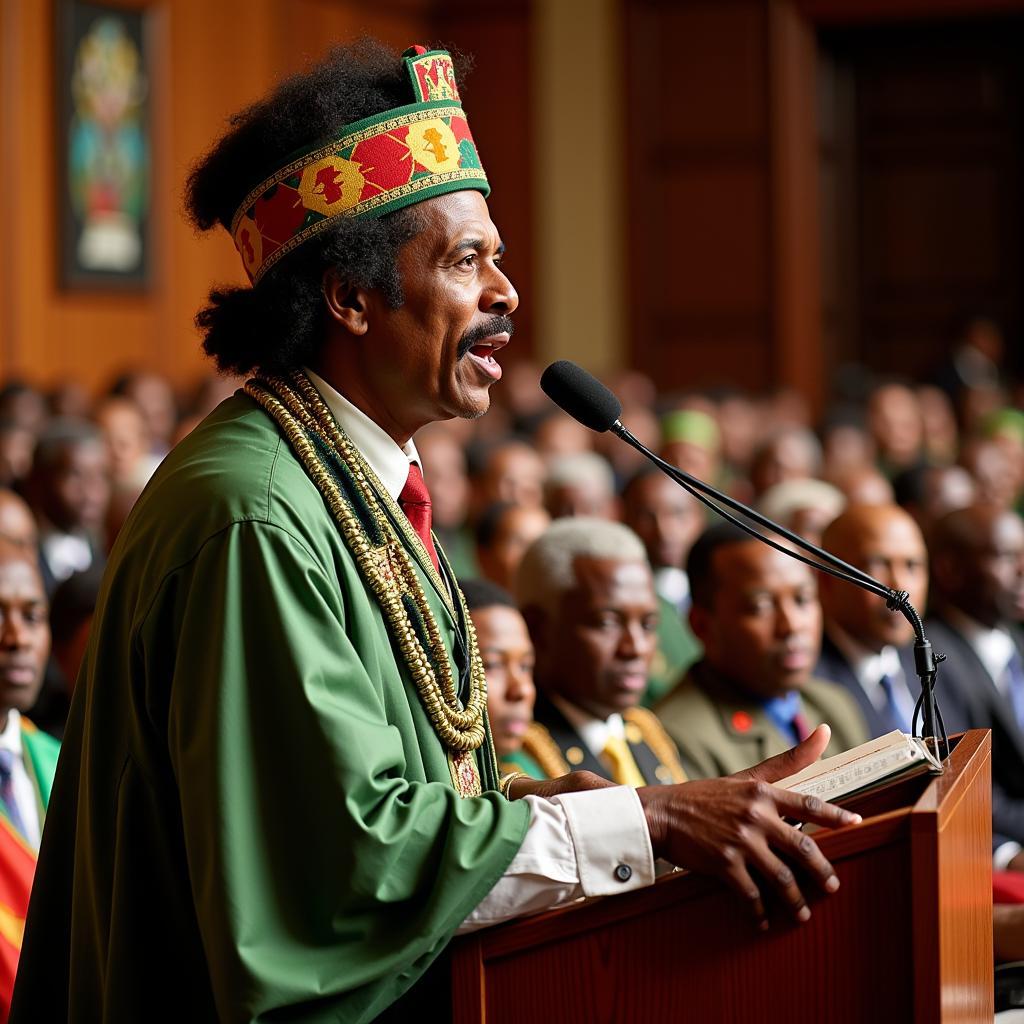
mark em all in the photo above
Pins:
pixel 586 592
pixel 752 695
pixel 865 647
pixel 978 598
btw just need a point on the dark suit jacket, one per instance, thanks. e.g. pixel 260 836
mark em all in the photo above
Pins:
pixel 984 707
pixel 556 746
pixel 832 665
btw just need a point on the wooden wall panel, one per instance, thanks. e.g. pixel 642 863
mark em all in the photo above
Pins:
pixel 939 154
pixel 700 187
pixel 498 100
pixel 212 59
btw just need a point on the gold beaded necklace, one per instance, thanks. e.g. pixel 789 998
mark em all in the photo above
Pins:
pixel 380 537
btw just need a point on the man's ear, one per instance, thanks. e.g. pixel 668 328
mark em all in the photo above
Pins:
pixel 346 304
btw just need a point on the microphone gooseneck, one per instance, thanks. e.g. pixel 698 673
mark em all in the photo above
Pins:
pixel 587 400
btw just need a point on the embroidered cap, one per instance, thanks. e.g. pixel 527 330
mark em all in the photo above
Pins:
pixel 371 167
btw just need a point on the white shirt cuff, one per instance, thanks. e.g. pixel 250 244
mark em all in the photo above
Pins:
pixel 613 844
pixel 594 843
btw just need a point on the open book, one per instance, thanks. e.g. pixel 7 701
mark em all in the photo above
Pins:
pixel 892 756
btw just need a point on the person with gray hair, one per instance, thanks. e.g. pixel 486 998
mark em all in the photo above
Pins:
pixel 582 484
pixel 586 591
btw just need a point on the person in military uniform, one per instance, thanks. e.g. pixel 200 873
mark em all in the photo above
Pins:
pixel 752 695
pixel 586 591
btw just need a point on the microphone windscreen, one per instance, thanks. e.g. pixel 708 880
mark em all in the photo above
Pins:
pixel 581 395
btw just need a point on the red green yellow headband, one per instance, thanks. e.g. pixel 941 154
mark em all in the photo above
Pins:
pixel 373 167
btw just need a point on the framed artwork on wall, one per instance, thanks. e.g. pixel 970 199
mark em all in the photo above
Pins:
pixel 104 145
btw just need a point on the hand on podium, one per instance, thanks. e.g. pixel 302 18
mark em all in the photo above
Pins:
pixel 731 826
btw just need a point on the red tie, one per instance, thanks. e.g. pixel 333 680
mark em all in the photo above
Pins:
pixel 415 502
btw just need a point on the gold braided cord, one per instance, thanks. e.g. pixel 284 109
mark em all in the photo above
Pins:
pixel 388 567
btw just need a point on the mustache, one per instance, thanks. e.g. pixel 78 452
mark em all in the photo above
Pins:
pixel 496 325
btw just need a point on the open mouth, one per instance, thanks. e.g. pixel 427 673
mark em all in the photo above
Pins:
pixel 482 354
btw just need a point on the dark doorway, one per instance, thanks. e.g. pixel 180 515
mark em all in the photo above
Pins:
pixel 921 140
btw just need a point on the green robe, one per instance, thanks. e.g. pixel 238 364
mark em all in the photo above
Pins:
pixel 252 818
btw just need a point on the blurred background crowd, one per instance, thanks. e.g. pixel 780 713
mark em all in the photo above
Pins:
pixel 72 465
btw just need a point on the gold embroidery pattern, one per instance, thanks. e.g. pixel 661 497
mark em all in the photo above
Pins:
pixel 333 148
pixel 366 206
pixel 653 734
pixel 295 405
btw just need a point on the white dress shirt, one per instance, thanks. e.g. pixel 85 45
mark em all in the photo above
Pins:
pixel 24 791
pixel 870 666
pixel 576 845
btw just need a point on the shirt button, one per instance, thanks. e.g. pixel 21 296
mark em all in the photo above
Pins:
pixel 623 872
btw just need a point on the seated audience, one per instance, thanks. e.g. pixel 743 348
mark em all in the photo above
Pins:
pixel 69 491
pixel 864 485
pixel 16 446
pixel 28 757
pixel 582 484
pixel 993 471
pixel 503 533
pixel 865 647
pixel 691 440
pixel 509 471
pixel 24 405
pixel 804 506
pixel 978 611
pixel 17 524
pixel 793 453
pixel 845 441
pixel 586 592
pixel 929 492
pixel 124 429
pixel 938 418
pixel 153 394
pixel 752 695
pixel 557 434
pixel 894 418
pixel 507 654
pixel 668 520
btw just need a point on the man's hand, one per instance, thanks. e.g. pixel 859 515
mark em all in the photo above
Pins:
pixel 574 782
pixel 726 827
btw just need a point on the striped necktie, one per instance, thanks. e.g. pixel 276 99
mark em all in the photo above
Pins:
pixel 10 804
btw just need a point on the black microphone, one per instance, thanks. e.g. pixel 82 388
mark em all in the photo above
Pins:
pixel 587 400
pixel 581 395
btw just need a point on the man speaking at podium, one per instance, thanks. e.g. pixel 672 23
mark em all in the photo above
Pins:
pixel 278 797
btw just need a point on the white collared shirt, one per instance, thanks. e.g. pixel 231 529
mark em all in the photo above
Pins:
pixel 994 647
pixel 593 731
pixel 870 666
pixel 575 844
pixel 24 791
pixel 673 585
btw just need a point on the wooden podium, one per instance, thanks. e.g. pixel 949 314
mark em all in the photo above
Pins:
pixel 908 937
